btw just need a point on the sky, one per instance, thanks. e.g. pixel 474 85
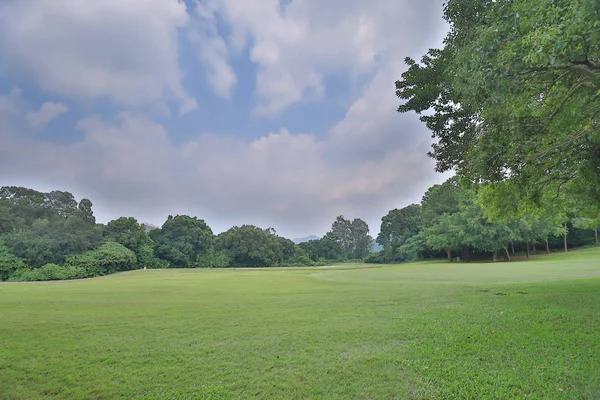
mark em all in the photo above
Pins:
pixel 277 113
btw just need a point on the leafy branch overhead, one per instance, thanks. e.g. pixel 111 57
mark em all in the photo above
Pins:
pixel 513 98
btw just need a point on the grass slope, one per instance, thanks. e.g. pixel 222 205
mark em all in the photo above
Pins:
pixel 416 331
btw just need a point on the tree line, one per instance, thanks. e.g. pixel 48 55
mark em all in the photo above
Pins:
pixel 452 221
pixel 46 236
pixel 512 100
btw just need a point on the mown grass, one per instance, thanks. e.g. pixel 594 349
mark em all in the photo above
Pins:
pixel 419 331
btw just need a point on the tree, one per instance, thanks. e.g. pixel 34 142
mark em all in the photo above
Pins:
pixel 352 236
pixel 326 248
pixel 9 263
pixel 474 230
pixel 109 258
pixel 23 206
pixel 514 96
pixel 414 247
pixel 182 240
pixel 363 242
pixel 129 233
pixel 437 205
pixel 397 227
pixel 85 211
pixel 60 203
pixel 51 241
pixel 250 246
pixel 439 200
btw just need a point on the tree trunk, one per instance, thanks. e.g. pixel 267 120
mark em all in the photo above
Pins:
pixel 596 234
pixel 565 238
pixel 547 246
pixel 527 249
pixel 495 256
pixel 507 257
pixel 534 248
pixel 449 252
pixel 466 253
pixel 512 247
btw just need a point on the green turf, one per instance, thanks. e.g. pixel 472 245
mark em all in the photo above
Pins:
pixel 415 331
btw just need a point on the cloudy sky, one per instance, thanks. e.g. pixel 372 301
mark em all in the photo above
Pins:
pixel 277 113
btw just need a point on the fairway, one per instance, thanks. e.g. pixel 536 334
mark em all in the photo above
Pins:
pixel 413 331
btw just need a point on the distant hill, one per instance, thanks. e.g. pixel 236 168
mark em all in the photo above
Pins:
pixel 305 239
pixel 149 227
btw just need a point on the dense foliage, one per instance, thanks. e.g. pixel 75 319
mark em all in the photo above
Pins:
pixel 48 236
pixel 512 100
pixel 451 220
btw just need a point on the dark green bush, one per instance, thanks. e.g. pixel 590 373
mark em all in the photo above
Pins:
pixel 48 272
pixel 9 263
pixel 109 258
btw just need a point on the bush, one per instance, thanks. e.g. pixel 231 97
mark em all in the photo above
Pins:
pixel 9 263
pixel 48 272
pixel 213 259
pixel 109 258
pixel 146 258
pixel 85 262
pixel 299 261
pixel 377 258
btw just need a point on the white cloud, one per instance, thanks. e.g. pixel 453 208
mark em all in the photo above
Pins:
pixel 47 112
pixel 212 50
pixel 293 182
pixel 123 50
pixel 369 162
pixel 299 45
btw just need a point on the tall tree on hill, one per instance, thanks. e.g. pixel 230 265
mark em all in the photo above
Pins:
pixel 363 242
pixel 61 204
pixel 85 211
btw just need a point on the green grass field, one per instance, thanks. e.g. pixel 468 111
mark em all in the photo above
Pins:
pixel 414 331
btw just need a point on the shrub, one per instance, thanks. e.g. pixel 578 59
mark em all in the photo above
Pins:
pixel 146 258
pixel 85 262
pixel 109 258
pixel 213 259
pixel 48 272
pixel 9 263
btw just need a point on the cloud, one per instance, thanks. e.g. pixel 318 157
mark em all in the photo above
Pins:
pixel 298 45
pixel 48 111
pixel 130 167
pixel 370 161
pixel 123 50
pixel 212 50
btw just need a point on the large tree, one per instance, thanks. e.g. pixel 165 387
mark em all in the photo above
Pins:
pixel 396 228
pixel 514 96
pixel 353 236
pixel 131 234
pixel 51 241
pixel 182 240
pixel 251 246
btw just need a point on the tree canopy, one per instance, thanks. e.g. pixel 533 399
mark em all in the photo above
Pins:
pixel 513 98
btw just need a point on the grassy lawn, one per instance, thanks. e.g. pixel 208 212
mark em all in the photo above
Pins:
pixel 414 331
